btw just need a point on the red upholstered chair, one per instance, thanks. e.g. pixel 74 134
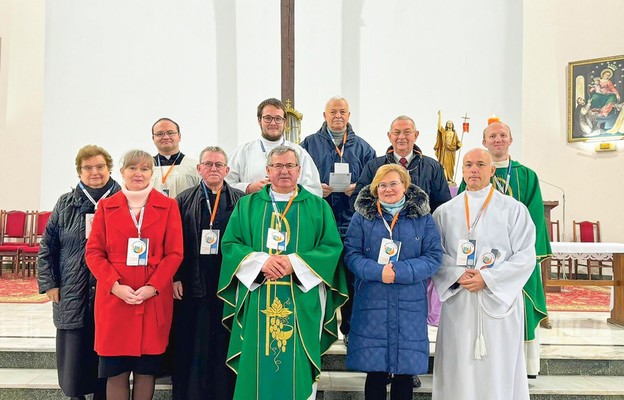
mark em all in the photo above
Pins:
pixel 588 231
pixel 29 254
pixel 14 235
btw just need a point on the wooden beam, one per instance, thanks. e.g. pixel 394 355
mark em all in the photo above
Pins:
pixel 288 50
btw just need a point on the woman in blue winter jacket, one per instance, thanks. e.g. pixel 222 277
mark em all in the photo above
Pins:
pixel 392 246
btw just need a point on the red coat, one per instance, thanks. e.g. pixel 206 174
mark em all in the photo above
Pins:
pixel 120 328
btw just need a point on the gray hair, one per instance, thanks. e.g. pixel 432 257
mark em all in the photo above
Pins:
pixel 402 118
pixel 213 149
pixel 278 151
pixel 134 157
pixel 336 98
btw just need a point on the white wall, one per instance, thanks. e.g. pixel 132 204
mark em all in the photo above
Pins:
pixel 21 102
pixel 555 33
pixel 114 67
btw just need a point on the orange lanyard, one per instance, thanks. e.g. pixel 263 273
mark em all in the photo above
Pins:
pixel 164 177
pixel 344 143
pixel 394 220
pixel 467 208
pixel 276 211
pixel 212 211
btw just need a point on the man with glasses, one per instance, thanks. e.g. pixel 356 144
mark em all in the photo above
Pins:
pixel 200 339
pixel 174 171
pixel 338 152
pixel 425 172
pixel 280 285
pixel 247 163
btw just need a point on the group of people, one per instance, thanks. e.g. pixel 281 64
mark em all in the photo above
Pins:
pixel 237 266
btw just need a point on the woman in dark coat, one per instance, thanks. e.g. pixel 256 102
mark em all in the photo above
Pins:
pixel 392 247
pixel 64 277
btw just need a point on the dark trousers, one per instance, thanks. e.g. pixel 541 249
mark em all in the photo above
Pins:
pixel 400 386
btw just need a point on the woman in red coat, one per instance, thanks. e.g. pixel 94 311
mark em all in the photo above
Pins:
pixel 134 249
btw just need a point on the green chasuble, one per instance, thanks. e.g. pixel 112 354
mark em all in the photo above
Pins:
pixel 279 331
pixel 524 186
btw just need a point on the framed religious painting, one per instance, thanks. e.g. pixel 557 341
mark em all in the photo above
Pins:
pixel 595 103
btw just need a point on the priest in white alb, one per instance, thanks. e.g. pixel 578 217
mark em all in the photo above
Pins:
pixel 488 242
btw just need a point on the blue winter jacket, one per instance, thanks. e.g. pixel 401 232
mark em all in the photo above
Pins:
pixel 356 153
pixel 389 321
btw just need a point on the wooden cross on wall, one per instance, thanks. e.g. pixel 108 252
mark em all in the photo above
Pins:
pixel 288 50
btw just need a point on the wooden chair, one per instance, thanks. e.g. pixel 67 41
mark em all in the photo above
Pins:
pixel 14 235
pixel 588 231
pixel 30 254
pixel 555 236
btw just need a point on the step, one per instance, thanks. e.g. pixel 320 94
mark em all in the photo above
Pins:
pixel 334 385
pixel 607 360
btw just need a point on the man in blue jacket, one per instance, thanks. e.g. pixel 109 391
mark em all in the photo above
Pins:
pixel 335 148
pixel 426 173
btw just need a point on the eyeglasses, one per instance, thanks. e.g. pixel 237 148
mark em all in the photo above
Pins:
pixel 391 185
pixel 278 120
pixel 210 164
pixel 161 134
pixel 289 166
pixel 407 133
pixel 90 168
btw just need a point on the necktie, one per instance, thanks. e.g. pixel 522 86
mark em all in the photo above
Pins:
pixel 403 162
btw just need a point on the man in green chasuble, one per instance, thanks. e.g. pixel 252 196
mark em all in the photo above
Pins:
pixel 280 285
pixel 514 179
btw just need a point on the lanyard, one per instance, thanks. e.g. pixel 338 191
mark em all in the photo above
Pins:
pixel 264 149
pixel 91 199
pixel 485 204
pixel 165 176
pixel 213 213
pixel 134 219
pixel 276 211
pixel 344 143
pixel 500 187
pixel 394 220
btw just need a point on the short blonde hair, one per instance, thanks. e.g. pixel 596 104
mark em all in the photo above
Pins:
pixel 134 157
pixel 385 170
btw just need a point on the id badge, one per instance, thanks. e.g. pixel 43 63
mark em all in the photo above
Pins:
pixel 276 240
pixel 466 253
pixel 341 168
pixel 88 224
pixel 388 251
pixel 489 258
pixel 137 251
pixel 209 241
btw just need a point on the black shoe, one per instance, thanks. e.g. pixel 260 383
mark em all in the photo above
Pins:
pixel 532 376
pixel 416 381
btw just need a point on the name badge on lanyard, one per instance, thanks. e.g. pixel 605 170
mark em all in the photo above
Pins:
pixel 466 252
pixel 138 247
pixel 209 241
pixel 276 240
pixel 137 251
pixel 88 224
pixel 388 251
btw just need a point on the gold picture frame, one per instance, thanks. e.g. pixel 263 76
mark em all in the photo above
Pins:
pixel 595 99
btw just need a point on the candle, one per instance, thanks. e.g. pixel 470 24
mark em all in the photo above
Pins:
pixel 493 119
